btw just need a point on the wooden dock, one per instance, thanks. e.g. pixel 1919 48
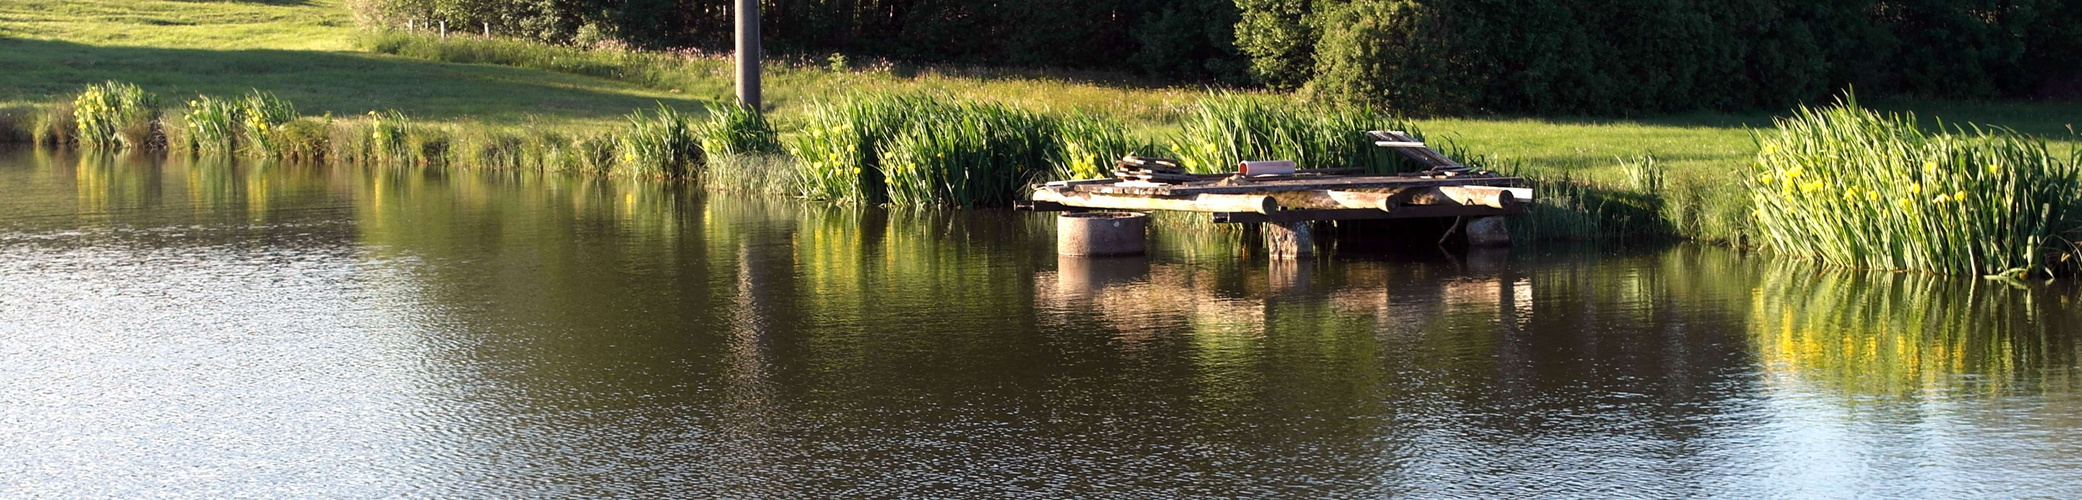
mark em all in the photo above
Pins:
pixel 1286 202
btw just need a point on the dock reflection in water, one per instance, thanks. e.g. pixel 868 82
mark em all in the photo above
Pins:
pixel 205 328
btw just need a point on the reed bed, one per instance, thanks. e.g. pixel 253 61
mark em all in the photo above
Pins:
pixel 300 139
pixel 1228 128
pixel 741 151
pixel 658 145
pixel 838 151
pixel 932 149
pixel 210 126
pixel 17 124
pixel 116 115
pixel 975 154
pixel 735 129
pixel 261 115
pixel 1090 147
pixel 1852 187
pixel 56 126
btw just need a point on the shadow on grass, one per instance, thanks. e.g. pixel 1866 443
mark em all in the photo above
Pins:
pixel 341 83
pixel 284 3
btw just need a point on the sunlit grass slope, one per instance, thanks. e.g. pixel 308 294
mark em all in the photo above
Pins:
pixel 299 50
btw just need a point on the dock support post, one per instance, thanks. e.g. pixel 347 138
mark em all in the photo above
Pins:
pixel 1288 240
pixel 1488 232
pixel 1095 234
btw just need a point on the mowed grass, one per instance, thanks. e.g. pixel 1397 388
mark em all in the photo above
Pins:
pixel 299 50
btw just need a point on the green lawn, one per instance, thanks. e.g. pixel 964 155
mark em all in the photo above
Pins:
pixel 300 50
pixel 308 51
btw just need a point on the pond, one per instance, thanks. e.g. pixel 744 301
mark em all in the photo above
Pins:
pixel 224 329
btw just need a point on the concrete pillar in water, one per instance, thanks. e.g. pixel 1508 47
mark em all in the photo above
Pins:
pixel 1288 240
pixel 1092 234
pixel 1488 232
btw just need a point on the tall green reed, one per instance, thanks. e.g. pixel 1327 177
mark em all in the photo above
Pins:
pixel 968 155
pixel 741 151
pixel 56 126
pixel 16 124
pixel 301 139
pixel 838 149
pixel 1228 128
pixel 1852 187
pixel 734 129
pixel 1090 145
pixel 659 144
pixel 388 134
pixel 260 114
pixel 210 126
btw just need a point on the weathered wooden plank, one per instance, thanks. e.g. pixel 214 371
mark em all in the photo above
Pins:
pixel 1407 212
pixel 1285 185
pixel 1042 206
pixel 1196 203
pixel 1488 196
pixel 1425 155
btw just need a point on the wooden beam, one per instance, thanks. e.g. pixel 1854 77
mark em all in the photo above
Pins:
pixel 1488 196
pixel 1423 155
pixel 1409 212
pixel 1042 206
pixel 1259 204
pixel 1301 184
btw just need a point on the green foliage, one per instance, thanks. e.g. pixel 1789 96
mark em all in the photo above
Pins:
pixel 426 145
pixel 734 129
pixel 1567 208
pixel 17 124
pixel 968 155
pixel 485 148
pixel 838 149
pixel 593 154
pixel 1090 146
pixel 391 138
pixel 1175 37
pixel 1225 129
pixel 760 173
pixel 259 115
pixel 1642 174
pixel 659 145
pixel 351 141
pixel 116 115
pixel 300 139
pixel 55 126
pixel 1852 187
pixel 1280 38
pixel 1605 56
pixel 210 126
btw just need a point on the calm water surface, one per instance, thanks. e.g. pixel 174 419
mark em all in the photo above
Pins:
pixel 203 329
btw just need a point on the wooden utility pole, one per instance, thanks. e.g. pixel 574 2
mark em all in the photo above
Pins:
pixel 748 53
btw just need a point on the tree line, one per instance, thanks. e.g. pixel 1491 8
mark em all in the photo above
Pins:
pixel 1420 56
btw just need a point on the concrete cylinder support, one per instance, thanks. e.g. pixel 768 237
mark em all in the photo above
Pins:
pixel 1288 240
pixel 1092 234
pixel 1488 232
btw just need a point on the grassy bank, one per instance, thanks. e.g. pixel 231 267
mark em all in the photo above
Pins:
pixel 494 103
pixel 303 51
